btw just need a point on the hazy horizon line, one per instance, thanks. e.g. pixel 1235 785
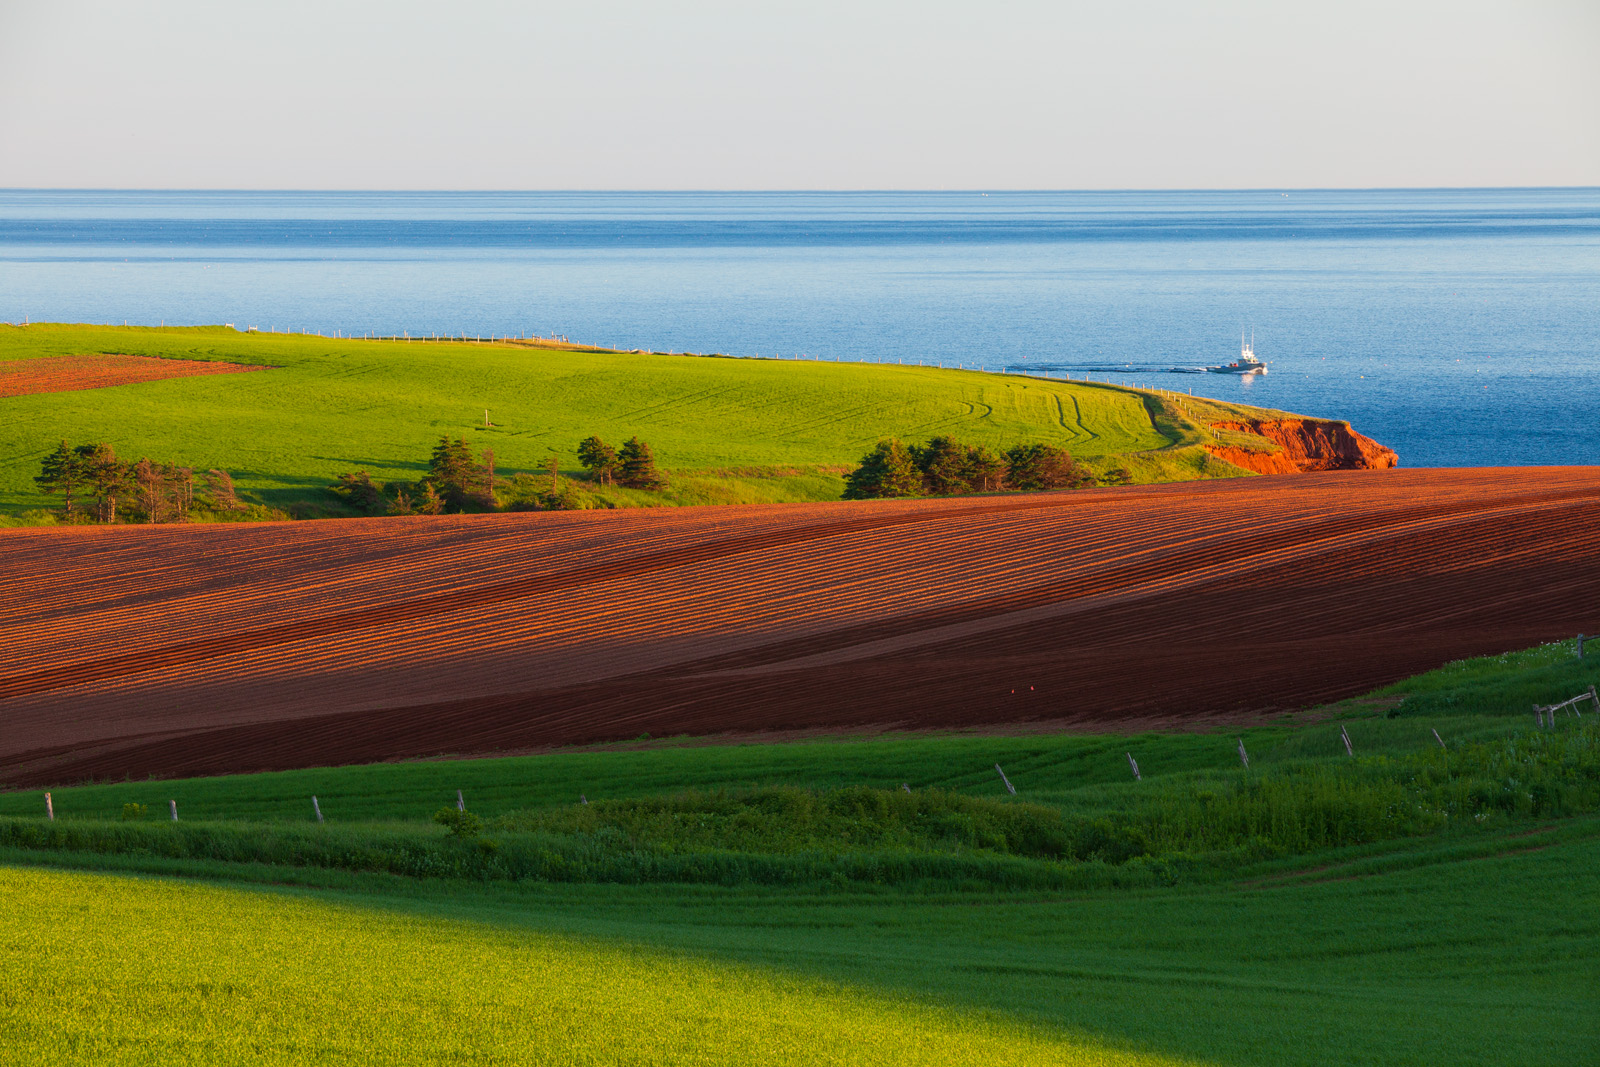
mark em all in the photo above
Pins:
pixel 808 191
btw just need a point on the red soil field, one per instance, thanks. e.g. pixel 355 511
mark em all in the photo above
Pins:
pixel 182 650
pixel 63 374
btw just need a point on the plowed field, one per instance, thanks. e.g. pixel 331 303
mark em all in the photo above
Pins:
pixel 65 374
pixel 204 649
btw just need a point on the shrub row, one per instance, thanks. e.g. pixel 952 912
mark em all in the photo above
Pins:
pixel 1167 830
pixel 459 482
pixel 141 490
pixel 946 467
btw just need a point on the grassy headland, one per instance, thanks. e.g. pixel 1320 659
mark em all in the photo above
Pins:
pixel 727 430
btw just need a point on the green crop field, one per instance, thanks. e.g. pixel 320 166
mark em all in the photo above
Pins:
pixel 731 430
pixel 1416 903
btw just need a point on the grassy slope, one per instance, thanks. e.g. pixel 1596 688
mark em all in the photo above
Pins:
pixel 1053 768
pixel 260 978
pixel 1461 948
pixel 339 405
pixel 1458 959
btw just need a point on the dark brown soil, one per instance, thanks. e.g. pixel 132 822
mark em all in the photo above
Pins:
pixel 210 649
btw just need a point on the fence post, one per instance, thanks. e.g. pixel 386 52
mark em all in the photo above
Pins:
pixel 1594 698
pixel 174 804
pixel 1538 709
pixel 1580 646
pixel 1346 735
pixel 1244 757
pixel 49 807
pixel 1009 787
pixel 316 808
pixel 1439 739
pixel 1135 765
pixel 461 801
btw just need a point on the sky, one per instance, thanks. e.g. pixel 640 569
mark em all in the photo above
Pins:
pixel 863 94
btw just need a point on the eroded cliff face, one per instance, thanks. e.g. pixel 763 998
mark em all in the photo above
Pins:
pixel 1306 445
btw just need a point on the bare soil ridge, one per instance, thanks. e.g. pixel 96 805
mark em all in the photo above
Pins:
pixel 194 650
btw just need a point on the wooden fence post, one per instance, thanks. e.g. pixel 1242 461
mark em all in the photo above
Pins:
pixel 1009 787
pixel 316 808
pixel 1594 698
pixel 1135 765
pixel 461 801
pixel 49 807
pixel 1346 735
pixel 1580 646
pixel 174 804
pixel 1244 757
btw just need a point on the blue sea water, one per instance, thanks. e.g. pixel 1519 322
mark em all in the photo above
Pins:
pixel 1461 327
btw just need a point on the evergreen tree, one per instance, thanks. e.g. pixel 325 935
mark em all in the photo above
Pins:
pixel 886 471
pixel 1038 466
pixel 401 504
pixel 600 459
pixel 984 471
pixel 359 492
pixel 942 463
pixel 105 476
pixel 63 469
pixel 429 502
pixel 637 467
pixel 1117 476
pixel 455 477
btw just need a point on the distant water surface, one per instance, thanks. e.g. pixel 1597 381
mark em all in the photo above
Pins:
pixel 1461 327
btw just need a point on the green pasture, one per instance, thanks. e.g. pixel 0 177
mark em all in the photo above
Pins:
pixel 1450 913
pixel 1048 767
pixel 1443 955
pixel 731 430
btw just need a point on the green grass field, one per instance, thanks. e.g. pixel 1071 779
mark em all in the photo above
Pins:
pixel 731 430
pixel 1459 941
pixel 1480 959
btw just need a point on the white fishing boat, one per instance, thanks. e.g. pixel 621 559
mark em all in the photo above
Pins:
pixel 1247 363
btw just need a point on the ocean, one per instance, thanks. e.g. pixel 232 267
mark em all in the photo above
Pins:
pixel 1459 327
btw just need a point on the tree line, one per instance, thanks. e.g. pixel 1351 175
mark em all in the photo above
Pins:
pixel 632 467
pixel 457 481
pixel 946 467
pixel 96 485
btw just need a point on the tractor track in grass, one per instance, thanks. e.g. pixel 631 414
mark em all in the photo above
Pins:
pixel 210 649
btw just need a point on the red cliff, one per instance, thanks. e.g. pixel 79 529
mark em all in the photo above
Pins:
pixel 1305 445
